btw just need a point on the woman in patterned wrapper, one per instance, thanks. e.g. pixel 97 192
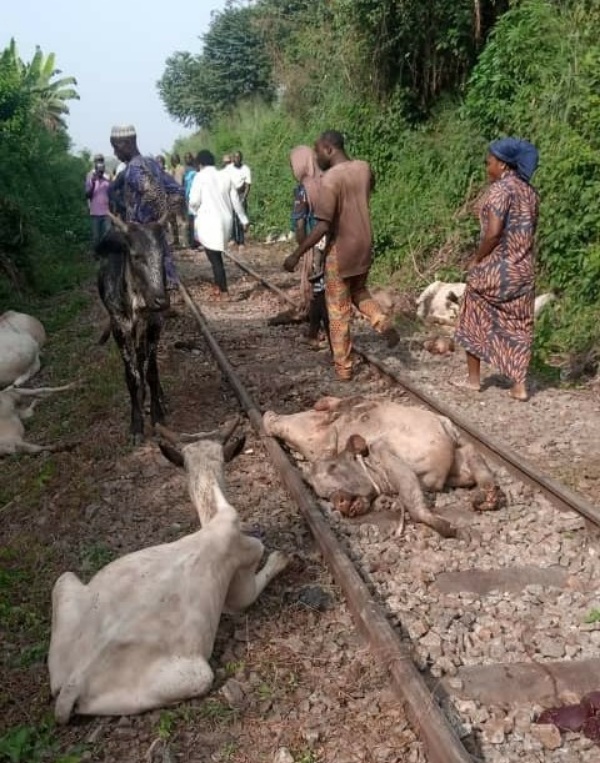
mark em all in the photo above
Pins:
pixel 495 323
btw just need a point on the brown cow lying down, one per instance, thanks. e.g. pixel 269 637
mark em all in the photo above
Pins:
pixel 359 449
pixel 140 634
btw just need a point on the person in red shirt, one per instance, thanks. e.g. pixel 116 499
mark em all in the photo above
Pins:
pixel 342 214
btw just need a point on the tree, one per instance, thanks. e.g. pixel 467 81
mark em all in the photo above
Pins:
pixel 234 64
pixel 49 96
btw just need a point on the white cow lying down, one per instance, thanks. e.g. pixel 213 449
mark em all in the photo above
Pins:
pixel 140 634
pixel 21 338
pixel 440 302
pixel 16 405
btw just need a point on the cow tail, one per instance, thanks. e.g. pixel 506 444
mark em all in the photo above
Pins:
pixel 65 702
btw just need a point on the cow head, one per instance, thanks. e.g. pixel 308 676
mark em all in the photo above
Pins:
pixel 345 480
pixel 136 258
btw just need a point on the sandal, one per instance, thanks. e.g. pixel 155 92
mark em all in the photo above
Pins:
pixel 464 383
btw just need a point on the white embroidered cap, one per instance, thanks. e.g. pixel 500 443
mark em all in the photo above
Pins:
pixel 123 131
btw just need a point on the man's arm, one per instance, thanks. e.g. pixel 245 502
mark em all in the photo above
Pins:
pixel 321 229
pixel 238 207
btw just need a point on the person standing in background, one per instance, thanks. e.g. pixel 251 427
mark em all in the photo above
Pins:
pixel 172 222
pixel 214 200
pixel 242 180
pixel 177 168
pixel 189 174
pixel 97 185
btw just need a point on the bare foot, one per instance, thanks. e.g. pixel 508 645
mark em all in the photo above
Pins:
pixel 466 383
pixel 519 392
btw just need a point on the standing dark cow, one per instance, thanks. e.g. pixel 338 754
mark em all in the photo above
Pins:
pixel 132 286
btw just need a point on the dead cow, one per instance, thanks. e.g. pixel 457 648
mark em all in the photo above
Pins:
pixel 16 405
pixel 140 634
pixel 21 339
pixel 359 449
pixel 132 286
pixel 439 302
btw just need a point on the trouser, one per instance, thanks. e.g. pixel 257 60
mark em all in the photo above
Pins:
pixel 193 244
pixel 317 315
pixel 341 294
pixel 170 269
pixel 218 268
pixel 238 228
pixel 174 226
pixel 100 226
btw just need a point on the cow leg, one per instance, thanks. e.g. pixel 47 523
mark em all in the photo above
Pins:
pixel 157 410
pixel 403 481
pixel 69 602
pixel 125 343
pixel 165 681
pixel 248 584
pixel 469 468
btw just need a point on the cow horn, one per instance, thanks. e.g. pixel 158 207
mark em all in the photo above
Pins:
pixel 40 391
pixel 221 435
pixel 171 454
pixel 168 434
pixel 118 223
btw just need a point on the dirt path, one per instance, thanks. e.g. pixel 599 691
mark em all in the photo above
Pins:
pixel 291 674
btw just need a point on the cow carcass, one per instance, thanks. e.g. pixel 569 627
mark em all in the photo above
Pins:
pixel 132 287
pixel 21 339
pixel 17 405
pixel 140 634
pixel 359 449
pixel 440 302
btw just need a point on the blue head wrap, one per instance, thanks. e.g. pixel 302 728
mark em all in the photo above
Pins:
pixel 519 154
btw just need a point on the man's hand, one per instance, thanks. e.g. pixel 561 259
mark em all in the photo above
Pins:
pixel 291 262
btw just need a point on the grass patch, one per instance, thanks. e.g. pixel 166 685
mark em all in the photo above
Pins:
pixel 36 744
pixel 593 616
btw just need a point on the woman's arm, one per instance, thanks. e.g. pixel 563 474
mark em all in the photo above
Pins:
pixel 491 237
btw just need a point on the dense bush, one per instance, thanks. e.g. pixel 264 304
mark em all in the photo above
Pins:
pixel 42 207
pixel 538 77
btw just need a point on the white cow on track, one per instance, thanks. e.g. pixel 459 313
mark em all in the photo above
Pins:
pixel 140 634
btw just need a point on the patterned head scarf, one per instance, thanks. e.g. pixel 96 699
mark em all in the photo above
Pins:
pixel 307 171
pixel 518 154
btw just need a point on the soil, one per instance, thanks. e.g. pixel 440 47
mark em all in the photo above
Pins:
pixel 294 682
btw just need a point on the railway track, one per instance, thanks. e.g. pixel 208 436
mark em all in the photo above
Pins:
pixel 479 634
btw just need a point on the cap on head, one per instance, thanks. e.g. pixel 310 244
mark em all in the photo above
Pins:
pixel 120 132
pixel 98 157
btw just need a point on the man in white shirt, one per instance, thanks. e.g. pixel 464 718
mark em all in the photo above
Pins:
pixel 242 180
pixel 214 200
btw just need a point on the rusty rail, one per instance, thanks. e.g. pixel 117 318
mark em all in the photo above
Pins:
pixel 275 289
pixel 559 495
pixel 440 739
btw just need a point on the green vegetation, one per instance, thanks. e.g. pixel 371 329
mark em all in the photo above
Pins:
pixel 35 744
pixel 593 616
pixel 42 207
pixel 419 89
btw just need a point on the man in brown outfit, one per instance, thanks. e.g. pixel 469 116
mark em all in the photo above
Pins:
pixel 342 214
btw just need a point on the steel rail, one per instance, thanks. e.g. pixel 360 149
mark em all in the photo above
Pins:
pixel 275 289
pixel 559 495
pixel 438 736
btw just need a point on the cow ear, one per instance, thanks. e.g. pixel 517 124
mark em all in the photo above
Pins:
pixel 171 454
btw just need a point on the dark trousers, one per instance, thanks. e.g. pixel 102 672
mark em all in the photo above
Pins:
pixel 216 261
pixel 238 228
pixel 191 235
pixel 100 226
pixel 318 315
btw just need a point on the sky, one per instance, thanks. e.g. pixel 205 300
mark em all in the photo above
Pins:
pixel 117 50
